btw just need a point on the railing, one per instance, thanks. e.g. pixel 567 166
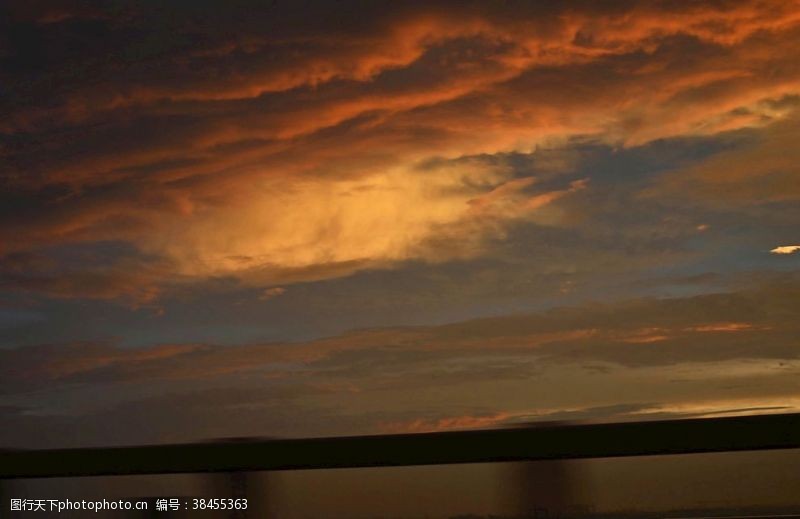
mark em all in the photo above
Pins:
pixel 544 442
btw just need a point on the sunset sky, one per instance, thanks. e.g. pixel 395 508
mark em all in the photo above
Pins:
pixel 327 218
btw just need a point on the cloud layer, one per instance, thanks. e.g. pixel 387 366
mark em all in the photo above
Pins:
pixel 271 150
pixel 718 353
pixel 337 218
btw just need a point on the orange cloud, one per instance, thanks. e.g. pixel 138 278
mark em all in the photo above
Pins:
pixel 447 424
pixel 320 137
pixel 723 327
pixel 786 249
pixel 659 334
pixel 647 336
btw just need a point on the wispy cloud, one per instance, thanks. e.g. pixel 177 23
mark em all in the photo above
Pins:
pixel 694 354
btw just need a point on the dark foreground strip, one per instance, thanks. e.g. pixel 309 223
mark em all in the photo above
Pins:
pixel 513 444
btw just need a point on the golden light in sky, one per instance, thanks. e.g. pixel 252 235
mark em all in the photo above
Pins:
pixel 352 218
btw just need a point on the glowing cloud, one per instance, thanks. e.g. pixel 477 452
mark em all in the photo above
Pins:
pixel 786 249
pixel 276 150
pixel 295 227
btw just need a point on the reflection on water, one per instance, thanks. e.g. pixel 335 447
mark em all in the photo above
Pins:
pixel 707 485
pixel 548 489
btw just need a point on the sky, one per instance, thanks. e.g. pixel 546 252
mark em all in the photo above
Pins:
pixel 307 218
